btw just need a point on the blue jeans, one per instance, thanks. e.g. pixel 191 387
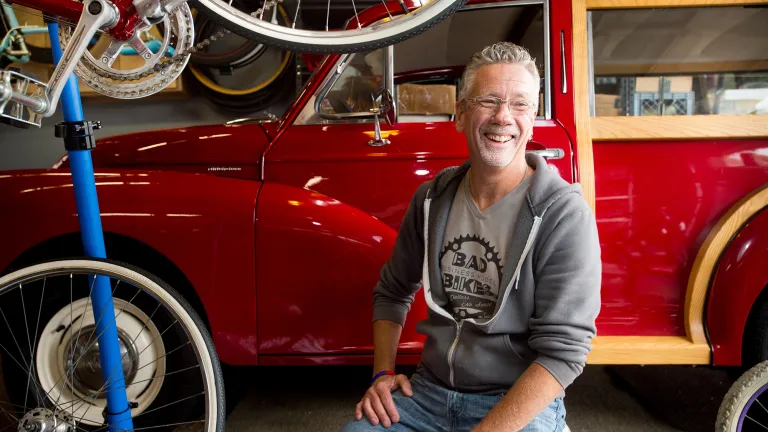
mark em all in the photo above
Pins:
pixel 434 408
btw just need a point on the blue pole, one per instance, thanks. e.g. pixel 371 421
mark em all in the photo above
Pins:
pixel 83 180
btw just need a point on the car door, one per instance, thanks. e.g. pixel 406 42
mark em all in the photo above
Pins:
pixel 334 152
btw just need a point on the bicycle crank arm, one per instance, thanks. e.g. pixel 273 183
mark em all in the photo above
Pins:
pixel 97 14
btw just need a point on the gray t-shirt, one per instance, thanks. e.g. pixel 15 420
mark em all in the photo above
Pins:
pixel 473 254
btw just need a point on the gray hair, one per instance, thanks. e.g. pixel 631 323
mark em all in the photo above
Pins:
pixel 498 53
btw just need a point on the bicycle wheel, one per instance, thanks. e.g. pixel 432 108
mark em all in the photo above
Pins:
pixel 745 407
pixel 51 365
pixel 390 30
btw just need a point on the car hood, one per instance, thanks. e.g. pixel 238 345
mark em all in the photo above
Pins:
pixel 212 148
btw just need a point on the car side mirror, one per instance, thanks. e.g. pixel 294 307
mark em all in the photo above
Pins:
pixel 382 104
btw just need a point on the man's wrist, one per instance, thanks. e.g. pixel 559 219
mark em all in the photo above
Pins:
pixel 381 374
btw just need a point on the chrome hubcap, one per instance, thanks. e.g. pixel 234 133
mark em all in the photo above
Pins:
pixel 87 377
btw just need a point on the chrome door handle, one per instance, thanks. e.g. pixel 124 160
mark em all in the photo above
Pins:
pixel 552 153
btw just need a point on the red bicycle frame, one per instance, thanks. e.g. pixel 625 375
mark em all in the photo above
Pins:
pixel 71 11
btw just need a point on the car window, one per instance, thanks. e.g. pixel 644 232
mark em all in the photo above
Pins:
pixel 354 88
pixel 428 67
pixel 685 61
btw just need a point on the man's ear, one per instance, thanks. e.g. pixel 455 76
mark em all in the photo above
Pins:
pixel 460 114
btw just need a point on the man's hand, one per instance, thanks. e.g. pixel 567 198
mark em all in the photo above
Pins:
pixel 377 402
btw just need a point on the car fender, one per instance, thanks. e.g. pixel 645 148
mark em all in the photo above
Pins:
pixel 740 277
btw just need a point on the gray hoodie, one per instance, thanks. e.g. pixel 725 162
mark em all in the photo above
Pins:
pixel 548 304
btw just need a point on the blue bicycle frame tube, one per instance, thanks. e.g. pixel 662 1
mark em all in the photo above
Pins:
pixel 83 180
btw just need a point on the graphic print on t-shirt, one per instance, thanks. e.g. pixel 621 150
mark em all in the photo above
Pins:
pixel 471 273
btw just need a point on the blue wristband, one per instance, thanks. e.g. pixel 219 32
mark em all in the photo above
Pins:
pixel 380 374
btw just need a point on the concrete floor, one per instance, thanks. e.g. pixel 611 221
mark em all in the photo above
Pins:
pixel 322 399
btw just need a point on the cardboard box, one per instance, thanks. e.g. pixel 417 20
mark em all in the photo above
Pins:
pixel 606 105
pixel 677 84
pixel 426 99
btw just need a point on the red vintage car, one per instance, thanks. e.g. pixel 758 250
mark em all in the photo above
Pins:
pixel 275 229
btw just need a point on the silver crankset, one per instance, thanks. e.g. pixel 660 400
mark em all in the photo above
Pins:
pixel 101 71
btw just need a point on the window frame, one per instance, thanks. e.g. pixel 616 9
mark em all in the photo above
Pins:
pixel 362 117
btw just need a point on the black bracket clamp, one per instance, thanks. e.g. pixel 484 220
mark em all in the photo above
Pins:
pixel 77 135
pixel 131 405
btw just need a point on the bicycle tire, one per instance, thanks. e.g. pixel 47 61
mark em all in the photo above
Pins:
pixel 740 397
pixel 190 323
pixel 331 42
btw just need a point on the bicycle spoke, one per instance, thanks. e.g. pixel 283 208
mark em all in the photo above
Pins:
pixel 761 405
pixel 13 422
pixel 26 327
pixel 165 355
pixel 296 16
pixel 22 408
pixel 357 18
pixel 171 424
pixel 757 422
pixel 26 366
pixel 327 15
pixel 387 8
pixel 172 403
pixel 14 358
pixel 37 325
pixel 263 7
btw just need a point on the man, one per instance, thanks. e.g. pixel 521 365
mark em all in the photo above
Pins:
pixel 508 256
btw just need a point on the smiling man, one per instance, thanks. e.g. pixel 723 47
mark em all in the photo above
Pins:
pixel 508 256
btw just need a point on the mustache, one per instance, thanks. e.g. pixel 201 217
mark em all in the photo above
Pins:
pixel 499 130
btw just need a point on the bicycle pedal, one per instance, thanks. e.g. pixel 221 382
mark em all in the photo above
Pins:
pixel 12 86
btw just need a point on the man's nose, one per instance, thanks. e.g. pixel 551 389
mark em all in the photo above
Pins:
pixel 503 114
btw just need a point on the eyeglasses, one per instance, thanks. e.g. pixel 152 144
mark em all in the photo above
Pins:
pixel 493 103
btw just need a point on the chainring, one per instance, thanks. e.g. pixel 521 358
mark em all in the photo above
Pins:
pixel 158 70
